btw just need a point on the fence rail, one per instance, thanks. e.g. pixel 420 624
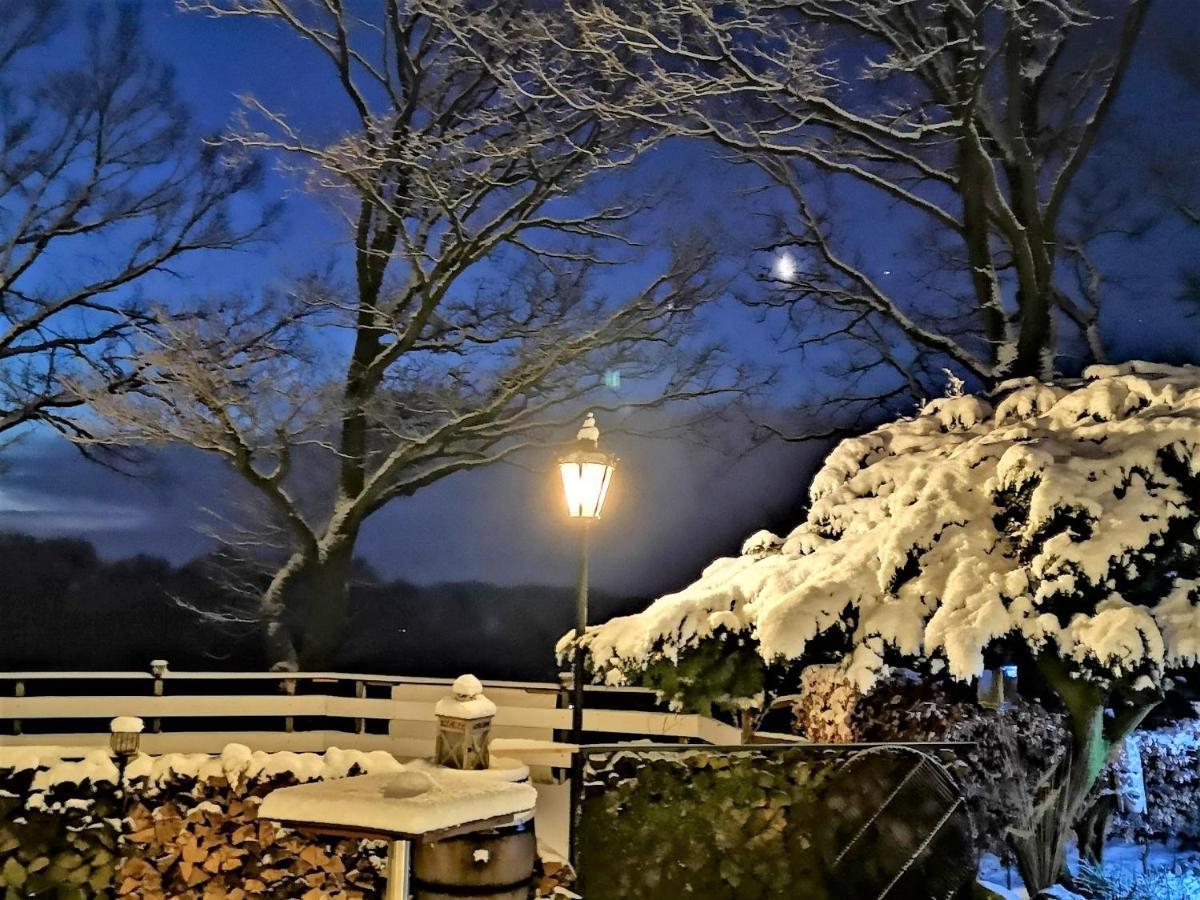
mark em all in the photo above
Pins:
pixel 309 711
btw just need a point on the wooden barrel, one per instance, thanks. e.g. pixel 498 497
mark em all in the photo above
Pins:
pixel 517 893
pixel 496 864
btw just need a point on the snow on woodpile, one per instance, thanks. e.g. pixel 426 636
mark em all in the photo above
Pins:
pixel 238 764
pixel 1064 515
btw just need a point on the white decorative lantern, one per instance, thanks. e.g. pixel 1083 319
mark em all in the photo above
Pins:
pixel 586 473
pixel 464 726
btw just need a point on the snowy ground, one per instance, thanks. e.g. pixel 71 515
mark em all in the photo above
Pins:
pixel 1175 874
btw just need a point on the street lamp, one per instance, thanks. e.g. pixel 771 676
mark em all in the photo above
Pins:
pixel 586 474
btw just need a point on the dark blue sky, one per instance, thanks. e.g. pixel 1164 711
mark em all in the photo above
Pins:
pixel 673 505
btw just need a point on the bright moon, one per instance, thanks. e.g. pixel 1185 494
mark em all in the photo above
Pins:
pixel 785 267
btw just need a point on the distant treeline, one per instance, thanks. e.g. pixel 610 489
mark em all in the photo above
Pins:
pixel 63 607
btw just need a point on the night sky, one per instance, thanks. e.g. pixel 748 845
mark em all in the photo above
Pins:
pixel 674 505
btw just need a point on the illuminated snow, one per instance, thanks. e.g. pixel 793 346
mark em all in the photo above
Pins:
pixel 917 527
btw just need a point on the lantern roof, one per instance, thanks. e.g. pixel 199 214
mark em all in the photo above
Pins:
pixel 589 431
pixel 467 701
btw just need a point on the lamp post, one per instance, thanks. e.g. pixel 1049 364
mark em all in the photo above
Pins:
pixel 586 474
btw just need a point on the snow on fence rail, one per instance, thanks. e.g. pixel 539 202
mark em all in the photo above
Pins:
pixel 308 711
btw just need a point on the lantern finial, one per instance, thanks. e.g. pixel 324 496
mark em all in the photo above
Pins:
pixel 589 431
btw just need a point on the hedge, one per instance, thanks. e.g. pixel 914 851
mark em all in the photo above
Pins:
pixel 1171 772
pixel 1014 746
pixel 746 825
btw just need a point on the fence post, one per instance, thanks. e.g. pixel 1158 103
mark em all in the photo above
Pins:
pixel 18 691
pixel 288 686
pixel 158 668
pixel 566 680
pixel 360 692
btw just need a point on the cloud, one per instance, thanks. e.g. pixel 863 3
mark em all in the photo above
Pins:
pixel 673 507
pixel 32 511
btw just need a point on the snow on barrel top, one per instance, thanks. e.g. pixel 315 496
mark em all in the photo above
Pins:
pixel 1065 516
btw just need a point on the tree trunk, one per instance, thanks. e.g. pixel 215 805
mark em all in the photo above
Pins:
pixel 1092 828
pixel 1040 845
pixel 324 607
pixel 1092 741
pixel 305 609
pixel 1035 343
pixel 279 642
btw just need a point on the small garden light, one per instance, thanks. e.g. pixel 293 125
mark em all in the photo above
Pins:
pixel 125 736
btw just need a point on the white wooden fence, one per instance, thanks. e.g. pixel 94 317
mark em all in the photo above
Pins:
pixel 308 711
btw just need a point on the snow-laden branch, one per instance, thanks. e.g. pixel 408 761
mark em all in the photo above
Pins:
pixel 476 324
pixel 960 117
pixel 1048 521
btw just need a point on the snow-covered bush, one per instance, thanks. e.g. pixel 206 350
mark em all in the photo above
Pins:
pixel 1056 524
pixel 1171 771
pixel 1155 884
pixel 826 705
pixel 59 828
pixel 911 710
pixel 181 825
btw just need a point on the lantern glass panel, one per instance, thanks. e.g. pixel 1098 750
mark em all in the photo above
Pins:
pixel 585 484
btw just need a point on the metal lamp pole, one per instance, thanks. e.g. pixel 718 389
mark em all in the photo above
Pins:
pixel 581 621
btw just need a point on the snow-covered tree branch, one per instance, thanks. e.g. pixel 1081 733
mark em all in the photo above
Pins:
pixel 478 320
pixel 966 123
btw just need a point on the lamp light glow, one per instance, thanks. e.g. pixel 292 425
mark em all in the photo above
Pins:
pixel 586 474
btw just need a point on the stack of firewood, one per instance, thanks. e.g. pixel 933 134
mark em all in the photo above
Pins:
pixel 206 842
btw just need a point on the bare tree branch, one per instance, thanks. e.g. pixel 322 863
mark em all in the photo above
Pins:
pixel 101 186
pixel 477 324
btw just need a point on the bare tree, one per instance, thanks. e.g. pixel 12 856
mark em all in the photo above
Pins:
pixel 101 185
pixel 479 320
pixel 963 122
pixel 1170 183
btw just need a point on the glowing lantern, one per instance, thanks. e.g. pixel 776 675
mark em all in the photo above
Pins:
pixel 586 473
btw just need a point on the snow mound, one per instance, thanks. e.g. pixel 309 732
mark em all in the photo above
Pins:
pixel 1063 516
pixel 237 764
